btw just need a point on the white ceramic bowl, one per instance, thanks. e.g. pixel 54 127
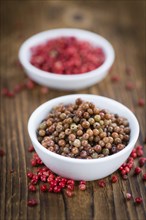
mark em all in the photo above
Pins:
pixel 83 169
pixel 66 82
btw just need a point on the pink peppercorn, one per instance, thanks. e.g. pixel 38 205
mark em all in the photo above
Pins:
pixel 101 183
pixel 57 189
pixel 31 149
pixel 138 200
pixel 128 196
pixel 137 170
pixel 114 179
pixel 43 188
pixel 70 187
pixel 69 193
pixel 82 187
pixel 142 161
pixel 32 188
pixel 44 90
pixel 115 78
pixel 32 202
pixel 144 176
pixel 129 86
pixel 141 102
pixel 30 175
pixel 30 84
pixel 2 152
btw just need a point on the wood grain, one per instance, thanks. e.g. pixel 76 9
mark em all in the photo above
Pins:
pixel 123 24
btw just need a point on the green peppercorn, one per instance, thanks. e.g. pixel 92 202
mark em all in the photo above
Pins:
pixel 105 151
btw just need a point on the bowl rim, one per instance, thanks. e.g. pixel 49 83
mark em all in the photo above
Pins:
pixel 106 46
pixel 77 160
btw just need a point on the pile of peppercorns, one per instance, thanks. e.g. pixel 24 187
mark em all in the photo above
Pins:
pixel 67 55
pixel 81 130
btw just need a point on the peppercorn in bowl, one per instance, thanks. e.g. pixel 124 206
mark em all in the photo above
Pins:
pixel 83 137
pixel 67 59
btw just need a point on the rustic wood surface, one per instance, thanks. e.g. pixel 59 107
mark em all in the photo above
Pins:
pixel 123 24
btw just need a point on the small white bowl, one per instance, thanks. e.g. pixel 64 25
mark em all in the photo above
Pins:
pixel 83 169
pixel 66 82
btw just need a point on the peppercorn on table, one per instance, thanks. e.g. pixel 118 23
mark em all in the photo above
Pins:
pixel 119 196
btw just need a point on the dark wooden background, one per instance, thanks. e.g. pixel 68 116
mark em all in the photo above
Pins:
pixel 123 24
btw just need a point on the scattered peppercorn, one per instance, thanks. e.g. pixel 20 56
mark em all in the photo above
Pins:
pixel 115 78
pixel 101 183
pixel 141 102
pixel 32 202
pixel 2 153
pixel 144 177
pixel 114 179
pixel 128 196
pixel 90 135
pixel 138 200
pixel 137 170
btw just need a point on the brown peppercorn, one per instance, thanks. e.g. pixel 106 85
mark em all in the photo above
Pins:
pixel 97 148
pixel 63 116
pixel 89 132
pixel 42 133
pixel 85 124
pixel 110 129
pixel 120 146
pixel 91 138
pixel 76 119
pixel 86 115
pixel 95 132
pixel 102 134
pixel 85 136
pixel 115 135
pixel 97 139
pixel 71 137
pixel 96 110
pixel 108 116
pixel 49 122
pixel 68 131
pixel 59 127
pixel 66 150
pixel 106 140
pixel 110 140
pixel 75 150
pixel 79 101
pixel 127 130
pixel 90 111
pixel 61 143
pixel 108 145
pixel 84 143
pixel 85 106
pixel 79 133
pixel 83 154
pixel 96 125
pixel 101 143
pixel 117 129
pixel 117 140
pixel 61 135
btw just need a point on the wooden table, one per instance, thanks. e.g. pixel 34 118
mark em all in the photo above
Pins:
pixel 124 26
